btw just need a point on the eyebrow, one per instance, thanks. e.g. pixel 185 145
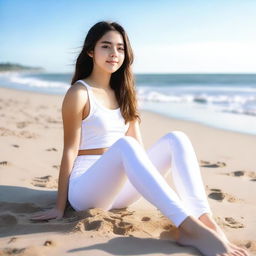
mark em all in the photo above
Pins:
pixel 107 42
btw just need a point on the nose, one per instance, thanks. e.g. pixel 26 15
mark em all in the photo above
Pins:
pixel 113 52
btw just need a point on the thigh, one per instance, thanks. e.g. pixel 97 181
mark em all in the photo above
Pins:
pixel 99 184
pixel 160 155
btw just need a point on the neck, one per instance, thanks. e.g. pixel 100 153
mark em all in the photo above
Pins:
pixel 100 79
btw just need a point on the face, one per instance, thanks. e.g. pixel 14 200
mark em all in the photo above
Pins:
pixel 109 53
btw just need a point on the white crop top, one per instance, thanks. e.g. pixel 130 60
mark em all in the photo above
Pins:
pixel 103 126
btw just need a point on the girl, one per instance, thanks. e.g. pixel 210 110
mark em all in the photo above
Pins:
pixel 104 163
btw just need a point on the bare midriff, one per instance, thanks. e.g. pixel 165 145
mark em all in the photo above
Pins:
pixel 94 151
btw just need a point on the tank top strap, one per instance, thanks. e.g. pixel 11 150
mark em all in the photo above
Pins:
pixel 84 83
pixel 90 96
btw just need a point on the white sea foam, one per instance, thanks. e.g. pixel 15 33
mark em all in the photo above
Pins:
pixel 244 103
pixel 34 82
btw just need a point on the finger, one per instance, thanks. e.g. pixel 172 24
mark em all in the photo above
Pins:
pixel 49 216
pixel 38 216
pixel 39 213
pixel 44 212
pixel 41 217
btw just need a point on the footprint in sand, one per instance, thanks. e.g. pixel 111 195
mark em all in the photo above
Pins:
pixel 51 149
pixel 123 222
pixel 232 223
pixel 6 132
pixel 12 240
pixel 20 134
pixel 212 165
pixel 218 195
pixel 104 222
pixel 229 222
pixel 49 243
pixel 250 245
pixel 4 163
pixel 145 219
pixel 53 121
pixel 12 251
pixel 241 173
pixel 32 250
pixel 27 135
pixel 22 124
pixel 45 182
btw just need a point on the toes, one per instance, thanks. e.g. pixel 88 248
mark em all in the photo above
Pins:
pixel 244 252
pixel 237 253
pixel 241 251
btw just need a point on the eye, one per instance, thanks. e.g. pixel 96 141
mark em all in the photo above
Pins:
pixel 105 46
pixel 122 49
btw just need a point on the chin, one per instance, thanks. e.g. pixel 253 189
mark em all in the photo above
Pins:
pixel 112 70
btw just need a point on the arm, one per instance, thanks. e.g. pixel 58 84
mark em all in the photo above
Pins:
pixel 72 112
pixel 134 131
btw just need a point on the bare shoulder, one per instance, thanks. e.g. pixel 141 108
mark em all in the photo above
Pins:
pixel 77 90
pixel 72 111
pixel 76 95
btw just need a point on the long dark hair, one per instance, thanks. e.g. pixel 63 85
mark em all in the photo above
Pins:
pixel 121 81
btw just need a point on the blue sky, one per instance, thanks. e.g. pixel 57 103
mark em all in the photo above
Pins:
pixel 166 36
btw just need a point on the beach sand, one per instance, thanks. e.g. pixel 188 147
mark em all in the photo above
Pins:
pixel 31 148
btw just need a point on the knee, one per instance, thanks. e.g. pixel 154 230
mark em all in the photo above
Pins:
pixel 176 136
pixel 127 141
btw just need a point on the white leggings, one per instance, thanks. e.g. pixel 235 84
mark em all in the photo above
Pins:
pixel 126 172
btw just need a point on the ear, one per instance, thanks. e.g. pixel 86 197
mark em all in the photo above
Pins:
pixel 90 53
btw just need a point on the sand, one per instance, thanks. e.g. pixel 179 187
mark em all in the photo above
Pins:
pixel 31 148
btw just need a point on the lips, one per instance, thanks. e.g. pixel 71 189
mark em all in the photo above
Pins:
pixel 112 62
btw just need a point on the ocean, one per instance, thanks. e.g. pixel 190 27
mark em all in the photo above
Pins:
pixel 225 101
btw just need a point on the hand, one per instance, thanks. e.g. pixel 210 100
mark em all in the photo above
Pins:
pixel 53 213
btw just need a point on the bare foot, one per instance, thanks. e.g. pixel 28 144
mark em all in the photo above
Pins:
pixel 194 233
pixel 208 221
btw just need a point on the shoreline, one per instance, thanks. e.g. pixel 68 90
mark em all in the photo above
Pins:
pixel 141 110
pixel 31 136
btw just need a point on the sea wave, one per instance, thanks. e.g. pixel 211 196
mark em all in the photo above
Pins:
pixel 233 103
pixel 233 99
pixel 34 82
